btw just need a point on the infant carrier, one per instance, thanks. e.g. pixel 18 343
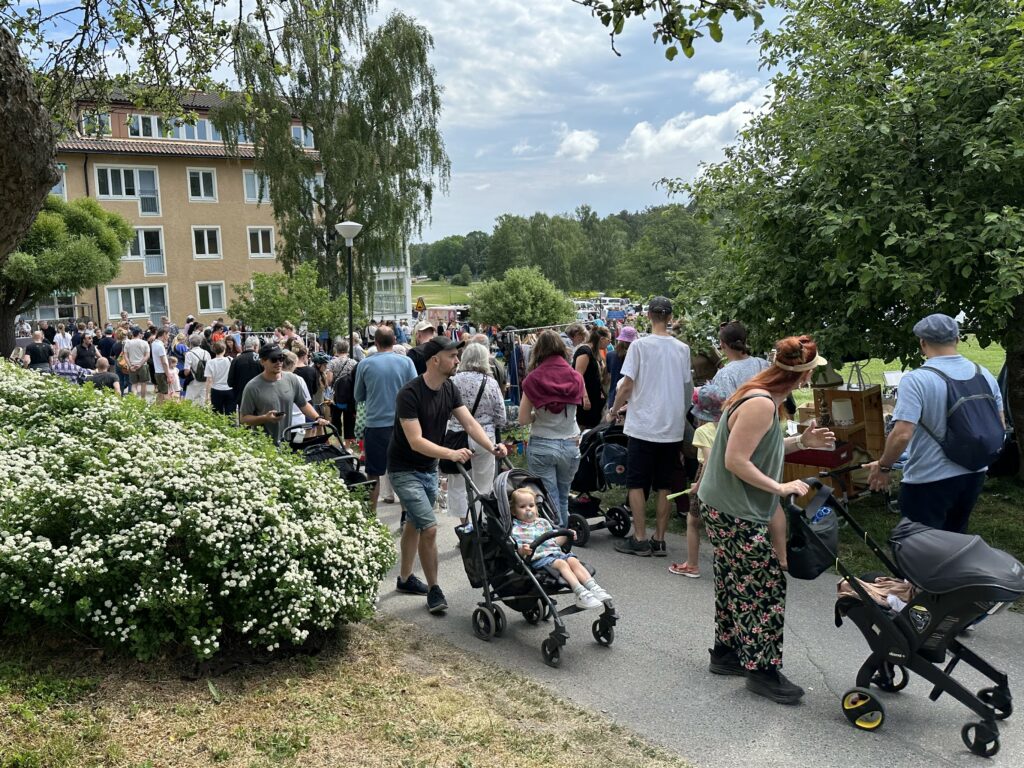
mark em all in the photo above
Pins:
pixel 319 449
pixel 602 465
pixel 493 564
pixel 951 581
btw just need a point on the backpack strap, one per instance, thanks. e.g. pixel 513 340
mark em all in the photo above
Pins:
pixel 479 394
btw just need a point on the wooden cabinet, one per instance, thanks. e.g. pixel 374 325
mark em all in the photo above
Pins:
pixel 868 428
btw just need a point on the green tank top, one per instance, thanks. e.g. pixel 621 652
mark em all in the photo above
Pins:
pixel 722 490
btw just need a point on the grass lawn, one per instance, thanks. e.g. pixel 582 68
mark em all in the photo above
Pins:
pixel 439 292
pixel 385 694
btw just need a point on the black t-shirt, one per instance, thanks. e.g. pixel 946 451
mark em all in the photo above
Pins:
pixel 50 334
pixel 308 374
pixel 592 382
pixel 39 353
pixel 432 408
pixel 416 355
pixel 104 345
pixel 105 380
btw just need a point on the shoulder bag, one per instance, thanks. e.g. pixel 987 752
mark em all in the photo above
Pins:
pixel 457 440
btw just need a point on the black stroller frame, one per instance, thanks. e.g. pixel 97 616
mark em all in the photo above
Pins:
pixel 319 449
pixel 585 513
pixel 494 565
pixel 916 639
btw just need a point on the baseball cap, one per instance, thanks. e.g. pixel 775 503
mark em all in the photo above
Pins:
pixel 627 333
pixel 660 305
pixel 108 329
pixel 440 344
pixel 424 325
pixel 321 357
pixel 938 329
pixel 271 352
pixel 708 402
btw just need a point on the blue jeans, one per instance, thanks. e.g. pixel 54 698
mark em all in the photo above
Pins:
pixel 417 491
pixel 555 462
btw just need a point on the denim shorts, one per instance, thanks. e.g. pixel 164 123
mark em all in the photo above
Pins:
pixel 549 559
pixel 417 491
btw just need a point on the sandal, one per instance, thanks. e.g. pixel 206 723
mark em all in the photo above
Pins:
pixel 684 569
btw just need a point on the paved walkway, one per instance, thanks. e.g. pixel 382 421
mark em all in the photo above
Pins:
pixel 654 678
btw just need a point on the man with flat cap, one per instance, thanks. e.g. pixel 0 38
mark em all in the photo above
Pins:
pixel 422 409
pixel 934 490
pixel 268 398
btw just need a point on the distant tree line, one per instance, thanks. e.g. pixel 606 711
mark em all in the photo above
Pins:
pixel 645 253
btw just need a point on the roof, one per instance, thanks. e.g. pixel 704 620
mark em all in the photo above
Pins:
pixel 163 147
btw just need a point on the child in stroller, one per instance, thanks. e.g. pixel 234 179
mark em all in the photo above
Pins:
pixel 528 527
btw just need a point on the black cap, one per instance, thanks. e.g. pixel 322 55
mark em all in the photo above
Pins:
pixel 660 305
pixel 440 344
pixel 271 352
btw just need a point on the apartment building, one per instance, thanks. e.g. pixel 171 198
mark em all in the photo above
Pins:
pixel 202 219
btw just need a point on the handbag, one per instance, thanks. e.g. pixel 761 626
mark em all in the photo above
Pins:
pixel 458 440
pixel 814 537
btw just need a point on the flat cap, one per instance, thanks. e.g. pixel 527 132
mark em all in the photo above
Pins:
pixel 938 329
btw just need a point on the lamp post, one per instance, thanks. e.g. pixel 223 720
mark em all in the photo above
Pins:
pixel 349 230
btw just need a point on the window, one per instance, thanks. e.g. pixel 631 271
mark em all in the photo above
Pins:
pixel 202 184
pixel 302 136
pixel 148 246
pixel 206 242
pixel 261 242
pixel 94 123
pixel 257 188
pixel 146 126
pixel 137 301
pixel 119 183
pixel 211 297
pixel 60 188
pixel 56 306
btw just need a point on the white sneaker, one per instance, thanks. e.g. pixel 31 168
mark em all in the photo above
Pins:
pixel 600 594
pixel 586 600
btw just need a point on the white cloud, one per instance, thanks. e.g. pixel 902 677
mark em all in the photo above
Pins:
pixel 522 147
pixel 576 145
pixel 721 86
pixel 481 187
pixel 593 178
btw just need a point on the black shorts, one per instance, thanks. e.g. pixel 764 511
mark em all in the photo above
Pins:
pixel 376 441
pixel 652 466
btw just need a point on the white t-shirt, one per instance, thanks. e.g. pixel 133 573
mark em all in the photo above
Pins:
pixel 135 350
pixel 298 417
pixel 62 340
pixel 217 373
pixel 660 369
pixel 159 352
pixel 192 358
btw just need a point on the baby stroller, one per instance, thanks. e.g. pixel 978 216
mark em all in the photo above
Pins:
pixel 602 464
pixel 319 448
pixel 494 565
pixel 956 579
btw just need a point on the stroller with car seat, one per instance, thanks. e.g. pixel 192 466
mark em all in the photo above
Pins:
pixel 493 564
pixel 319 449
pixel 956 581
pixel 602 465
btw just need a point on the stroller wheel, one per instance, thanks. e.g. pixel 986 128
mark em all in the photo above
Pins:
pixel 981 738
pixel 552 652
pixel 891 678
pixel 863 710
pixel 604 633
pixel 578 523
pixel 483 624
pixel 499 621
pixel 535 614
pixel 999 699
pixel 618 520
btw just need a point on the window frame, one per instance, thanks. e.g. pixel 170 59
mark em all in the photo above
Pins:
pixel 273 242
pixel 304 139
pixel 135 183
pixel 157 126
pixel 188 183
pixel 266 188
pixel 106 125
pixel 223 297
pixel 220 242
pixel 63 183
pixel 134 286
pixel 141 258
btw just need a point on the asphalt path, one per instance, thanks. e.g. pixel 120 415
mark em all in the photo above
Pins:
pixel 654 678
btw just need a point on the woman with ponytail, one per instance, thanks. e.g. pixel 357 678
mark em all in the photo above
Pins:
pixel 740 490
pixel 740 366
pixel 589 363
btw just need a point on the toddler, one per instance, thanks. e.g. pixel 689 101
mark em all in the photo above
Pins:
pixel 527 527
pixel 173 382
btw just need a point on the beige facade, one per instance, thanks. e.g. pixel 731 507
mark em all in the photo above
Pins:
pixel 199 226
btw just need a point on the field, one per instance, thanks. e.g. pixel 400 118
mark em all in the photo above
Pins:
pixel 440 292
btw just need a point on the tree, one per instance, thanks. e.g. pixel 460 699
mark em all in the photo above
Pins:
pixel 674 246
pixel 444 257
pixel 885 182
pixel 273 298
pixel 475 248
pixel 604 250
pixel 69 247
pixel 465 276
pixel 523 298
pixel 510 245
pixel 370 99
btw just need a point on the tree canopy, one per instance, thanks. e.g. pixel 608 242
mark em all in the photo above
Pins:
pixel 271 299
pixel 523 298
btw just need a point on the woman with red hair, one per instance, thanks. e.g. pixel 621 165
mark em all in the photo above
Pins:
pixel 741 489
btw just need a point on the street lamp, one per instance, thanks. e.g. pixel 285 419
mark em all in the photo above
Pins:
pixel 349 230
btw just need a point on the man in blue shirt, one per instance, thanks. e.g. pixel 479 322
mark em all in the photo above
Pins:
pixel 378 379
pixel 934 490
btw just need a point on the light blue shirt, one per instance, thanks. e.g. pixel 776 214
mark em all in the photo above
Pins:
pixel 378 379
pixel 922 398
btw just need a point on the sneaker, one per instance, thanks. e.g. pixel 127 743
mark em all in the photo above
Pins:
pixel 600 594
pixel 725 663
pixel 632 546
pixel 774 685
pixel 684 569
pixel 586 600
pixel 658 547
pixel 411 586
pixel 436 602
pixel 388 500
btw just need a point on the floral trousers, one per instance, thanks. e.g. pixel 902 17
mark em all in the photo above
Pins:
pixel 750 590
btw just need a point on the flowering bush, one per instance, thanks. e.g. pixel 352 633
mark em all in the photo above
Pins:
pixel 146 526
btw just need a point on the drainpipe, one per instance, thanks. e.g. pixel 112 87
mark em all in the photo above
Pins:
pixel 85 176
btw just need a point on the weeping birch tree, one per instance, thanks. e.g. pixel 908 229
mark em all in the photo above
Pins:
pixel 370 106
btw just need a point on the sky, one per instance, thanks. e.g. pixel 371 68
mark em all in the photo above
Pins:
pixel 540 114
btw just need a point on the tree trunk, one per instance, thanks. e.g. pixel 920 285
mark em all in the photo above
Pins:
pixel 1013 343
pixel 27 169
pixel 7 335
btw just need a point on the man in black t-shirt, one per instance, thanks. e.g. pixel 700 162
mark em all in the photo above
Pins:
pixel 39 353
pixel 423 333
pixel 49 333
pixel 422 410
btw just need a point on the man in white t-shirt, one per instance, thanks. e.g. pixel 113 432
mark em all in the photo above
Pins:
pixel 158 351
pixel 137 352
pixel 196 389
pixel 657 384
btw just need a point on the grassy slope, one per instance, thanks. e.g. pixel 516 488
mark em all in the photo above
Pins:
pixel 439 292
pixel 387 694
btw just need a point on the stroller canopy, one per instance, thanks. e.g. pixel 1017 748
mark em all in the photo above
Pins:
pixel 941 561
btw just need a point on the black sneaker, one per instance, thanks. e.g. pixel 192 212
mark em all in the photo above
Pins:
pixel 436 602
pixel 658 547
pixel 632 546
pixel 774 685
pixel 411 586
pixel 725 663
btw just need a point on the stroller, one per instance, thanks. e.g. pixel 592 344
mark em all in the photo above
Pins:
pixel 494 565
pixel 957 580
pixel 319 449
pixel 602 464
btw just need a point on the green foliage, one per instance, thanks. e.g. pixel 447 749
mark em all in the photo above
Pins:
pixel 188 531
pixel 271 299
pixel 674 247
pixel 465 277
pixel 523 298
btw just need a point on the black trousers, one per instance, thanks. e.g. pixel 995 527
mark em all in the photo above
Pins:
pixel 944 504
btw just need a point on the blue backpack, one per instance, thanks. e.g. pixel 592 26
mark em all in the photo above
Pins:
pixel 974 432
